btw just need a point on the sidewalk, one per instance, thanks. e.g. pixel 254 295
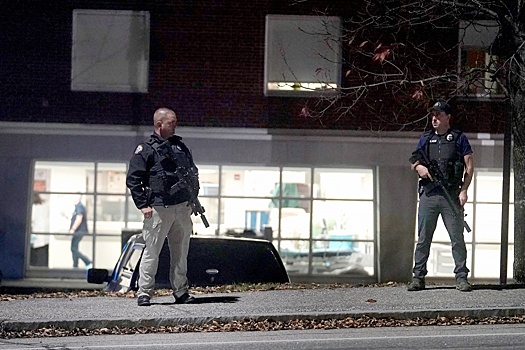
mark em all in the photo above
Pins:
pixel 278 305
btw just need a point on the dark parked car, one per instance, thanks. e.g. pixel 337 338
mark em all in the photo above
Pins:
pixel 211 261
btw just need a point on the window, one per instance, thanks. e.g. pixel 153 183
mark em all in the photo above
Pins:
pixel 478 64
pixel 209 199
pixel 483 244
pixel 101 187
pixel 247 199
pixel 487 234
pixel 318 226
pixel 303 55
pixel 110 51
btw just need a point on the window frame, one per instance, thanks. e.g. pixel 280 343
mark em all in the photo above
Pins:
pixel 478 36
pixel 317 251
pixel 324 75
pixel 90 73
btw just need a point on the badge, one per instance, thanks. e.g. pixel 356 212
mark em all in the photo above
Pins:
pixel 139 149
pixel 450 137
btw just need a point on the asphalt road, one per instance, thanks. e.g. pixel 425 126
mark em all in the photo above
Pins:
pixel 431 337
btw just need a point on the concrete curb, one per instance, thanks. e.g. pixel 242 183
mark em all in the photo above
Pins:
pixel 17 326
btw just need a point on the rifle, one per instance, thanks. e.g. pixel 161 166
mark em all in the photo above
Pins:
pixel 438 179
pixel 186 180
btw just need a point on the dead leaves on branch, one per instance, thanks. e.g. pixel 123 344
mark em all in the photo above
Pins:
pixel 381 51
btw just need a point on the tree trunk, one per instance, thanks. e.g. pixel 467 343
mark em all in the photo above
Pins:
pixel 519 211
pixel 517 99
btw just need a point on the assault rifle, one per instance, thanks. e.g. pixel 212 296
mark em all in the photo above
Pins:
pixel 189 181
pixel 438 178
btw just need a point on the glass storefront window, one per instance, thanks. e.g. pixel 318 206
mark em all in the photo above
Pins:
pixel 322 220
pixel 290 218
pixel 51 220
pixel 344 183
pixel 343 220
pixel 57 187
pixel 245 214
pixel 111 178
pixel 325 235
pixel 53 212
pixel 209 180
pixel 249 181
pixel 344 231
pixel 63 177
pixel 110 214
pixel 489 185
pixel 296 183
pixel 487 260
pixel 483 211
pixel 328 257
pixel 317 224
pixel 488 223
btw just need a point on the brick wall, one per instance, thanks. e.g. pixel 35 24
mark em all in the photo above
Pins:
pixel 206 62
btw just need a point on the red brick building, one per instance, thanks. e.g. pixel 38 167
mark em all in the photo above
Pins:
pixel 206 60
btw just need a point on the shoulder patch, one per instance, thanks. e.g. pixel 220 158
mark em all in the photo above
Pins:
pixel 138 149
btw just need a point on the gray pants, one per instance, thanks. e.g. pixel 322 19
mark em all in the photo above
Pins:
pixel 430 207
pixel 175 223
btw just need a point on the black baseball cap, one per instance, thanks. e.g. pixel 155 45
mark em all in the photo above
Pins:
pixel 441 106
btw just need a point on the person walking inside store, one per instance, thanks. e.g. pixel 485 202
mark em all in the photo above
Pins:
pixel 450 149
pixel 153 179
pixel 78 228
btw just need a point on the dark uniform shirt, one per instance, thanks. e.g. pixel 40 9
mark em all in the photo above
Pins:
pixel 448 150
pixel 460 140
pixel 155 172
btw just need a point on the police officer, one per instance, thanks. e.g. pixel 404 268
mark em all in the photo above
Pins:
pixel 451 150
pixel 154 181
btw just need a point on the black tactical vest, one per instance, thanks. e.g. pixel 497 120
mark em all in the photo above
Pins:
pixel 445 150
pixel 159 179
pixel 171 160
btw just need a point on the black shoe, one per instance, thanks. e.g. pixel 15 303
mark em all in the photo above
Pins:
pixel 416 284
pixel 462 285
pixel 144 300
pixel 185 299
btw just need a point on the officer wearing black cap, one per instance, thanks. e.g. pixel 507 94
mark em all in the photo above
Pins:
pixel 451 150
pixel 153 182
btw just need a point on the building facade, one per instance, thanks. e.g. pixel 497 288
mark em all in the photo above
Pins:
pixel 339 199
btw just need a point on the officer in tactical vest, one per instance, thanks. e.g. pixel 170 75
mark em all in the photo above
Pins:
pixel 449 151
pixel 163 200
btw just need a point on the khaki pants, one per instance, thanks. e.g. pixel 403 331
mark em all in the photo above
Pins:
pixel 175 223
